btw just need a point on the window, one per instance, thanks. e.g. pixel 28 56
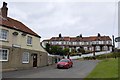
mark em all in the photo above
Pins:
pixel 98 48
pixel 85 43
pixel 4 54
pixel 80 43
pixel 60 43
pixel 29 40
pixel 74 43
pixel 64 43
pixel 109 42
pixel 3 34
pixel 25 57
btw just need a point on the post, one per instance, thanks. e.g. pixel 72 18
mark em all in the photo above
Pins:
pixel 68 56
pixel 113 47
pixel 94 51
pixel 119 23
pixel 105 47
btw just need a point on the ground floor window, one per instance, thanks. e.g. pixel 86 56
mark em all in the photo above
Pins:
pixel 4 54
pixel 25 57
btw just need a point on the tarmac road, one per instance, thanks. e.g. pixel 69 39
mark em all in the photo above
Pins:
pixel 80 69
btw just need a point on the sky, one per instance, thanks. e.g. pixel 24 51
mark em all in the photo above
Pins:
pixel 70 18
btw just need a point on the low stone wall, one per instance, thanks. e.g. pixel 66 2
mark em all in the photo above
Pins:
pixel 53 59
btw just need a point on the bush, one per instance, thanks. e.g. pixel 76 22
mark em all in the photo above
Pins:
pixel 72 54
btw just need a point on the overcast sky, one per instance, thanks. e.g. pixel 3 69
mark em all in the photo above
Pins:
pixel 48 19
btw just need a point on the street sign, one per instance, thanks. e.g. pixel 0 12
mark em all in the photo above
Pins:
pixel 117 39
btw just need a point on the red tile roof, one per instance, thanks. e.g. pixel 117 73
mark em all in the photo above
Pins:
pixel 46 40
pixel 17 25
pixel 101 38
pixel 60 39
pixel 91 38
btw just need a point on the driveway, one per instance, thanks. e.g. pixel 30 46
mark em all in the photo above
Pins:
pixel 80 69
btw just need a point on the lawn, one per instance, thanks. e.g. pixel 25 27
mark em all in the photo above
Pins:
pixel 107 68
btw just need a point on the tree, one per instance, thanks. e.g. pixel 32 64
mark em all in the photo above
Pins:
pixel 48 47
pixel 66 51
pixel 56 50
pixel 81 50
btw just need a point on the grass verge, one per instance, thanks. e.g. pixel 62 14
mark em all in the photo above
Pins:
pixel 108 68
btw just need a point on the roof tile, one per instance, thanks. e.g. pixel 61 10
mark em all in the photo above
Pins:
pixel 14 24
pixel 91 38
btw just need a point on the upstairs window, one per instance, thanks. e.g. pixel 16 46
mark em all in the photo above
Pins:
pixel 29 40
pixel 3 34
pixel 4 54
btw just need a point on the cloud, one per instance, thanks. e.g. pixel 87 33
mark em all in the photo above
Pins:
pixel 71 19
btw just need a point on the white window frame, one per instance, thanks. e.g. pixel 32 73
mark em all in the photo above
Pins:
pixel 109 42
pixel 29 40
pixel 60 42
pixel 53 42
pixel 1 34
pixel 3 53
pixel 80 43
pixel 25 57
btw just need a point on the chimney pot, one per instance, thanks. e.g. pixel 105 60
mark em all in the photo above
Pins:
pixel 4 10
pixel 4 4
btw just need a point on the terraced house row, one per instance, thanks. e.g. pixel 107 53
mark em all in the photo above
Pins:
pixel 19 45
pixel 97 43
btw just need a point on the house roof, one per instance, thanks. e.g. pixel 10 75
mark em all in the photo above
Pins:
pixel 101 38
pixel 91 38
pixel 17 25
pixel 46 40
pixel 60 38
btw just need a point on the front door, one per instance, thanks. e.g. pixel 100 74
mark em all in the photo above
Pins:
pixel 34 60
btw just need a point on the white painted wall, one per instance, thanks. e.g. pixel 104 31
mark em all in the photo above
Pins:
pixel 21 41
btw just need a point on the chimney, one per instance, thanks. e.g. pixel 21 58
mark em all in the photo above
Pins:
pixel 99 35
pixel 80 35
pixel 4 10
pixel 60 35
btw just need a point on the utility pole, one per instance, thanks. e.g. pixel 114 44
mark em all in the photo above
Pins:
pixel 119 24
pixel 94 50
pixel 105 47
pixel 113 47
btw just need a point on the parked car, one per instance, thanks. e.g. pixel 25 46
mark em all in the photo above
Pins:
pixel 65 63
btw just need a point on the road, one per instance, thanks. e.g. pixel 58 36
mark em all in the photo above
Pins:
pixel 80 69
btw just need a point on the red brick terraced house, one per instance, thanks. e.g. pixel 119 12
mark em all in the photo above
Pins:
pixel 92 43
pixel 19 46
